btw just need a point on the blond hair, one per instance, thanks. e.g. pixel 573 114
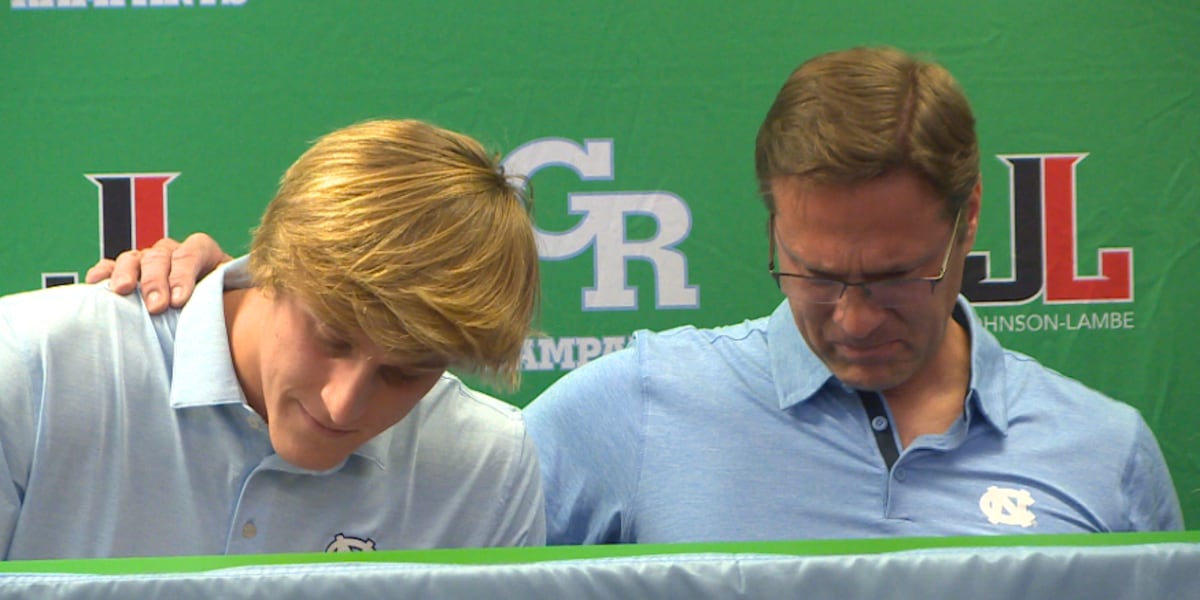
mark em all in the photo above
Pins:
pixel 851 116
pixel 410 234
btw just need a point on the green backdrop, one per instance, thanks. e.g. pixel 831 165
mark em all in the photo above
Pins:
pixel 639 119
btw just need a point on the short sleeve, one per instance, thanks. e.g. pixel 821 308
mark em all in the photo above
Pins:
pixel 588 431
pixel 1153 502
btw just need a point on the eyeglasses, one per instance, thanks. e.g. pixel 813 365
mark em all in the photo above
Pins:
pixel 886 293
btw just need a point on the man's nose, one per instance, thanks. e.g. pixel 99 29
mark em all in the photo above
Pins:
pixel 347 390
pixel 857 314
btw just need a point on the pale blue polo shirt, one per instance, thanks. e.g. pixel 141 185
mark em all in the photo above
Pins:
pixel 125 434
pixel 742 433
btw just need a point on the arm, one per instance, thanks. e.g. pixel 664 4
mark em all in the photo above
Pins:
pixel 588 431
pixel 166 265
pixel 17 430
pixel 525 518
pixel 1153 502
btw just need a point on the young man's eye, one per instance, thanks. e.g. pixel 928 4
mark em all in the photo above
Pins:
pixel 335 347
pixel 396 375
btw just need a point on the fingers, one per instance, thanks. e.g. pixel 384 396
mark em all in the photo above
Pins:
pixel 167 271
pixel 156 264
pixel 100 271
pixel 196 257
pixel 126 269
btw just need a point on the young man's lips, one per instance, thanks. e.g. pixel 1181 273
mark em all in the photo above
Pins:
pixel 323 427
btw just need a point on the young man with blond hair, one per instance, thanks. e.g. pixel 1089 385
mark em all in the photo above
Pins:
pixel 300 402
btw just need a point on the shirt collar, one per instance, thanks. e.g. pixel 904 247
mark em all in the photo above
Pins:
pixel 799 373
pixel 203 374
pixel 374 450
pixel 987 390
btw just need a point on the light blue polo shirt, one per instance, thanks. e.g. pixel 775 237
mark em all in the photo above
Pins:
pixel 742 433
pixel 125 434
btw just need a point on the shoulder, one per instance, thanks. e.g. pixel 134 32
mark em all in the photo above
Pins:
pixel 459 410
pixel 689 338
pixel 1031 389
pixel 70 355
pixel 52 306
pixel 1075 412
pixel 77 315
pixel 1028 377
pixel 613 391
pixel 688 348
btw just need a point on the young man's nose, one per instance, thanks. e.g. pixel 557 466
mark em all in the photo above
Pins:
pixel 347 390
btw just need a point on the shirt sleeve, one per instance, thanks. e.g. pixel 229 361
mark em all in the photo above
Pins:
pixel 588 431
pixel 526 518
pixel 17 428
pixel 1153 502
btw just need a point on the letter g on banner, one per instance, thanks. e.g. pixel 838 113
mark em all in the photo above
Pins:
pixel 602 225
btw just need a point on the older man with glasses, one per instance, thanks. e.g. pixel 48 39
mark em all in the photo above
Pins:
pixel 871 402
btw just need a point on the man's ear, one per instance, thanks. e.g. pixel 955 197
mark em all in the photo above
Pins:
pixel 971 213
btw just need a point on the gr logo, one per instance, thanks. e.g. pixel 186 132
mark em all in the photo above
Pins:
pixel 1045 243
pixel 133 214
pixel 602 226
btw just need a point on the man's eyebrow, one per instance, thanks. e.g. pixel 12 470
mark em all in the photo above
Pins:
pixel 893 272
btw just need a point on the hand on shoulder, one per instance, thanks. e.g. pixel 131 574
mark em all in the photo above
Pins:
pixel 167 271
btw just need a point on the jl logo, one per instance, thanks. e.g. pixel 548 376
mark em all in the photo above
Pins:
pixel 1045 245
pixel 1007 506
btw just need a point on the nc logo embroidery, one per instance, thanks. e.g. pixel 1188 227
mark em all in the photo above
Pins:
pixel 349 543
pixel 1007 506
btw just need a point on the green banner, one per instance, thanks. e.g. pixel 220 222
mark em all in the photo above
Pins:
pixel 125 119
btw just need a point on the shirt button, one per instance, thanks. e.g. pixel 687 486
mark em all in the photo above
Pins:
pixel 249 530
pixel 900 474
pixel 879 424
pixel 254 422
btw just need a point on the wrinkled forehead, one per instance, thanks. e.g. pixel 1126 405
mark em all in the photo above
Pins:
pixel 888 224
pixel 901 195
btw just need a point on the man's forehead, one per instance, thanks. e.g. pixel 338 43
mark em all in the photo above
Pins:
pixel 835 230
pixel 901 195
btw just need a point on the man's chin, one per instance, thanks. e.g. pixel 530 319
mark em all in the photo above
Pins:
pixel 869 378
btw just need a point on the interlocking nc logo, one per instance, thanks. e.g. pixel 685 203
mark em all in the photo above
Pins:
pixel 1044 243
pixel 1006 506
pixel 349 543
pixel 602 226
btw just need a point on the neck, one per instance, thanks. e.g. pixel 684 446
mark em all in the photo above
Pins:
pixel 932 399
pixel 243 319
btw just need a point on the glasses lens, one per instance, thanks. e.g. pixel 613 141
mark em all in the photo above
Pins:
pixel 901 292
pixel 811 290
